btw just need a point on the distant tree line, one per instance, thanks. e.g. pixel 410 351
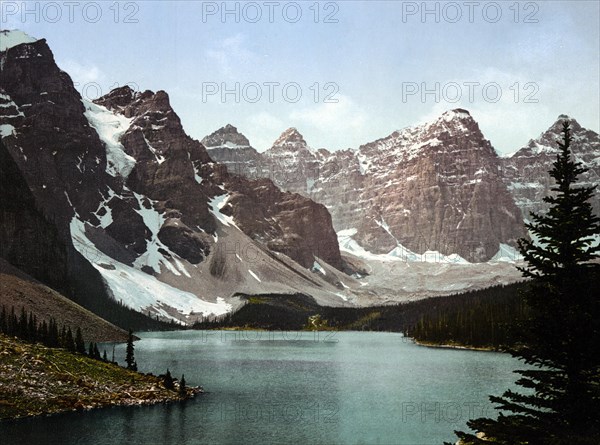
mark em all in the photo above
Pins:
pixel 27 327
pixel 484 318
pixel 479 318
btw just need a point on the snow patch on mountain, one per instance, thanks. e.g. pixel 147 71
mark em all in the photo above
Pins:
pixel 13 37
pixel 254 276
pixel 155 255
pixel 318 268
pixel 106 218
pixel 399 253
pixel 159 158
pixel 197 177
pixel 508 254
pixel 136 289
pixel 216 204
pixel 110 127
pixel 6 130
pixel 339 294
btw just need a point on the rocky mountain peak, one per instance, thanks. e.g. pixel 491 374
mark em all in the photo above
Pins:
pixel 561 119
pixel 457 120
pixel 546 142
pixel 526 171
pixel 117 98
pixel 291 138
pixel 227 136
pixel 457 113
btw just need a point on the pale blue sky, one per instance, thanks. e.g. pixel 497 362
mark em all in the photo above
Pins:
pixel 371 54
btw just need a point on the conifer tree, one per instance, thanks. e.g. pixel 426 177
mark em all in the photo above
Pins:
pixel 43 334
pixel 63 338
pixel 70 342
pixel 182 386
pixel 53 338
pixel 561 401
pixel 12 322
pixel 129 357
pixel 32 328
pixel 168 380
pixel 79 343
pixel 3 320
pixel 22 326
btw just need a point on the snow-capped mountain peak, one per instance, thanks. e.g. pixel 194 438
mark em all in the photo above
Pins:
pixel 455 121
pixel 291 138
pixel 13 37
pixel 457 113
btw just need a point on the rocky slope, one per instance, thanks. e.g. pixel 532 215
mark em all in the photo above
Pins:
pixel 526 171
pixel 436 187
pixel 36 380
pixel 19 290
pixel 134 209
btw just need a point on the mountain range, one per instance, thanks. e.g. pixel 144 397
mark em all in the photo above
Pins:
pixel 111 201
pixel 438 187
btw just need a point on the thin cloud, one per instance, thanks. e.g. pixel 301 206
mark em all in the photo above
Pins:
pixel 344 118
pixel 230 56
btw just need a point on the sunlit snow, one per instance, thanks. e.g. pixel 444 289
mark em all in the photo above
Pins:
pixel 6 130
pixel 136 289
pixel 399 253
pixel 110 127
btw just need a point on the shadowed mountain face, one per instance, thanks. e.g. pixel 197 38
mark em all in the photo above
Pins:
pixel 433 187
pixel 129 206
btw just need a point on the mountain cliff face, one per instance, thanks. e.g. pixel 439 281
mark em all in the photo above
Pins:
pixel 232 149
pixel 526 172
pixel 132 208
pixel 53 167
pixel 433 188
pixel 436 187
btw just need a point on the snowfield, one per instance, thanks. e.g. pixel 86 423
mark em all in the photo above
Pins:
pixel 399 253
pixel 402 275
pixel 137 289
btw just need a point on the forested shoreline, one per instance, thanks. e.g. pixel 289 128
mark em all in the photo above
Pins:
pixel 479 319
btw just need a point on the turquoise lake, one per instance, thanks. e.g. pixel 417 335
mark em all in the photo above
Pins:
pixel 291 388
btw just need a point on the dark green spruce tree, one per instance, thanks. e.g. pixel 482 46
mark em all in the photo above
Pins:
pixel 182 387
pixel 79 343
pixel 168 380
pixel 559 403
pixel 129 358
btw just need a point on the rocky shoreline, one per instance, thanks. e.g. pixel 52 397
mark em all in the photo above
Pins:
pixel 455 346
pixel 39 381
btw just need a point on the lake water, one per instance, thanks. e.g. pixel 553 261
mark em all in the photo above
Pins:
pixel 291 388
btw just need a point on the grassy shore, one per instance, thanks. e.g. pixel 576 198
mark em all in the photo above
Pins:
pixel 36 380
